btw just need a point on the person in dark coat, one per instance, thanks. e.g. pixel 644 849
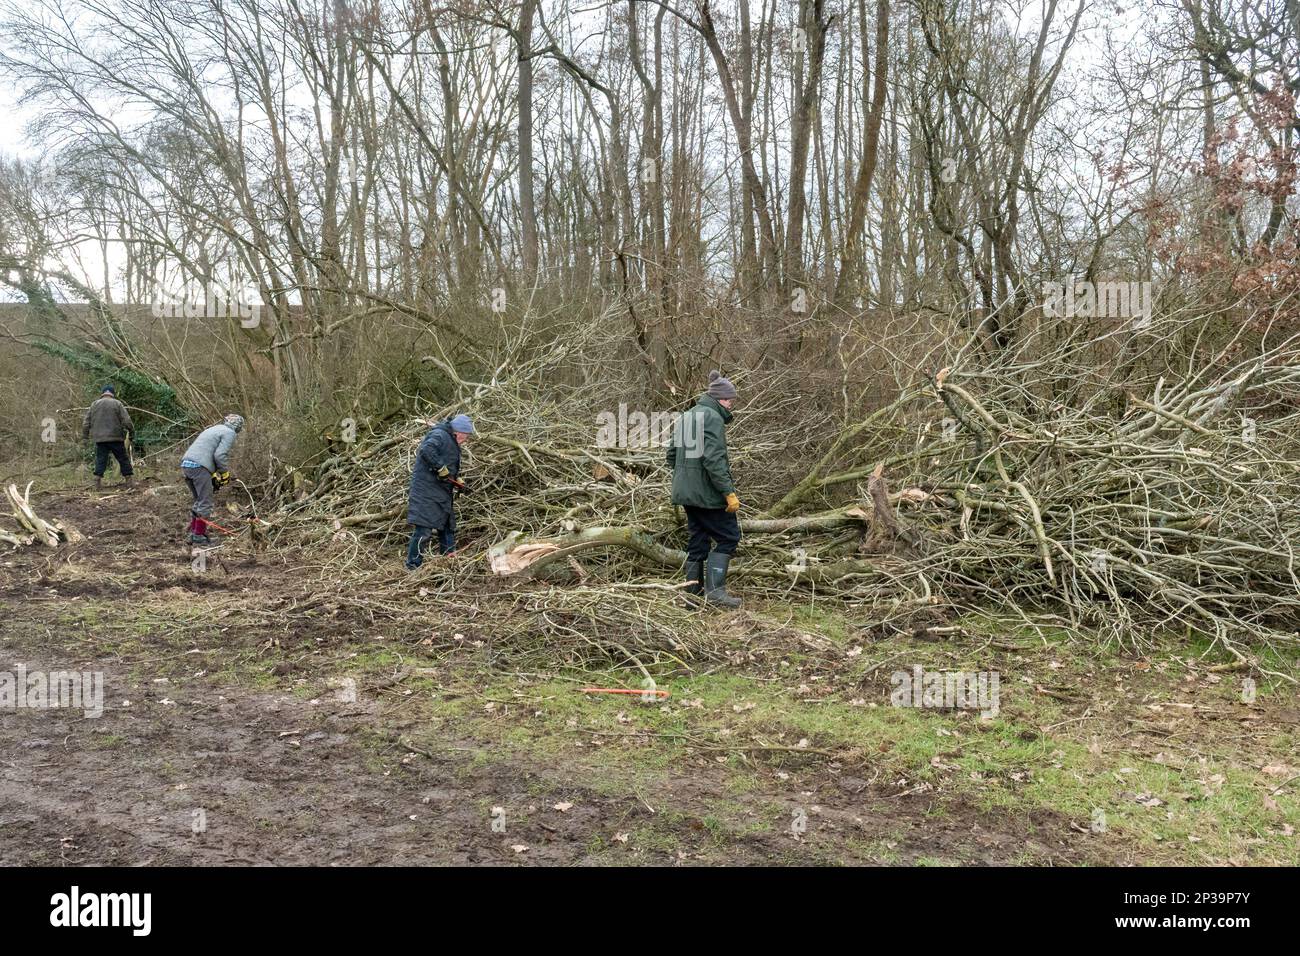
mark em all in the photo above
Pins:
pixel 435 476
pixel 702 485
pixel 108 424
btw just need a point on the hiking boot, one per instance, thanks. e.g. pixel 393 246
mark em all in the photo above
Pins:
pixel 99 482
pixel 127 482
pixel 694 575
pixel 199 538
pixel 715 578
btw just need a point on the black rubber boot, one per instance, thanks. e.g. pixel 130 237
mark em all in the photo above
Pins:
pixel 695 573
pixel 715 591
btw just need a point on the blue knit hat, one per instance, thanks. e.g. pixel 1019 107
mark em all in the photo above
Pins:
pixel 461 423
pixel 109 389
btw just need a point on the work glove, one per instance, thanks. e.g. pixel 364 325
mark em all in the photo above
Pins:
pixel 444 472
pixel 733 503
pixel 220 478
pixel 458 485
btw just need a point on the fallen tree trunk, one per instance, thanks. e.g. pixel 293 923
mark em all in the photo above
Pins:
pixel 517 553
pixel 825 521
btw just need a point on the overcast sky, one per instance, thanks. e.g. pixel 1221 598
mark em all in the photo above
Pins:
pixel 11 125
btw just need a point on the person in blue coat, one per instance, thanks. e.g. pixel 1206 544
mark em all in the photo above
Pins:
pixel 435 476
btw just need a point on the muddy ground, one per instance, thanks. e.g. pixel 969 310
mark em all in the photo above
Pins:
pixel 253 715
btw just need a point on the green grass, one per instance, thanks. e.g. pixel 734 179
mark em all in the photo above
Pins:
pixel 1216 805
pixel 1019 767
pixel 824 619
pixel 104 741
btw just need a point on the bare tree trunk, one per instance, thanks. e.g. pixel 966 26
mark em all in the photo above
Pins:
pixel 850 260
pixel 814 27
pixel 527 211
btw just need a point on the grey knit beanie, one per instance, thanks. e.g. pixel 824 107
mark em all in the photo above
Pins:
pixel 720 387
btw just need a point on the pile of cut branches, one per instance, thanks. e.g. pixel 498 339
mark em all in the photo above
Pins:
pixel 1173 507
pixel 1056 475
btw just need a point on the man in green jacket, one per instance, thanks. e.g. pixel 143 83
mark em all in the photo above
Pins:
pixel 702 485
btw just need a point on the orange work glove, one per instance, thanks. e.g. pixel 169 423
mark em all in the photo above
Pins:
pixel 733 503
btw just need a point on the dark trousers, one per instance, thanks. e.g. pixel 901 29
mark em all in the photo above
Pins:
pixel 421 539
pixel 710 524
pixel 118 450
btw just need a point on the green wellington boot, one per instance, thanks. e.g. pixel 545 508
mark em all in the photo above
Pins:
pixel 715 591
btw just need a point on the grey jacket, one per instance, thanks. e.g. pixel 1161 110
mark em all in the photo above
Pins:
pixel 212 448
pixel 106 420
